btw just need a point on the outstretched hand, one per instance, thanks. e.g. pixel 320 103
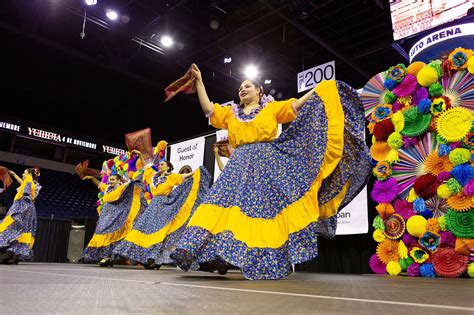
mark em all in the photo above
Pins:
pixel 87 177
pixel 136 152
pixel 196 72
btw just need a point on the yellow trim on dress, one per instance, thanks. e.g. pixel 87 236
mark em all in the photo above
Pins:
pixel 21 189
pixel 100 240
pixel 115 194
pixel 147 240
pixel 273 233
pixel 26 238
pixel 7 221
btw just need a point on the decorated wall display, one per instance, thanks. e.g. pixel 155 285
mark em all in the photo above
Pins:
pixel 421 120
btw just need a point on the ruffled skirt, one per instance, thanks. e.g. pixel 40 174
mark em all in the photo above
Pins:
pixel 273 199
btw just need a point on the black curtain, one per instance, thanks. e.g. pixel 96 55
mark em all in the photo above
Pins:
pixel 51 240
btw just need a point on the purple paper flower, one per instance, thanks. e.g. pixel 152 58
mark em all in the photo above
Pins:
pixel 377 266
pixel 414 270
pixel 420 94
pixel 404 208
pixel 386 191
pixel 409 141
pixel 447 239
pixel 444 176
pixel 409 240
pixel 406 87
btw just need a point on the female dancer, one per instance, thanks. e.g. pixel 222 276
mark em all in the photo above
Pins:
pixel 122 203
pixel 156 232
pixel 18 228
pixel 274 196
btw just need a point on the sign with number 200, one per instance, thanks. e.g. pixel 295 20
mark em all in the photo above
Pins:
pixel 308 79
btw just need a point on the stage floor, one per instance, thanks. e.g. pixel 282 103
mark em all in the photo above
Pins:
pixel 38 288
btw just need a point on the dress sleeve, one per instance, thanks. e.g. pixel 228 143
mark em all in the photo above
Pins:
pixel 102 186
pixel 176 179
pixel 220 116
pixel 284 111
pixel 148 175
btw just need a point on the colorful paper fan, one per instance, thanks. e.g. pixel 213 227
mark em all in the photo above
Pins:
pixel 394 226
pixel 387 251
pixel 377 266
pixel 438 206
pixel 459 87
pixel 454 124
pixel 460 202
pixel 411 163
pixel 448 263
pixel 461 224
pixel 373 93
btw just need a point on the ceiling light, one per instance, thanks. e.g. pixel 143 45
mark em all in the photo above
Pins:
pixel 91 2
pixel 167 41
pixel 227 59
pixel 111 14
pixel 251 72
pixel 268 81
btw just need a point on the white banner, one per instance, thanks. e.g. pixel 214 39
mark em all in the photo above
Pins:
pixel 222 135
pixel 440 36
pixel 187 154
pixel 308 79
pixel 353 219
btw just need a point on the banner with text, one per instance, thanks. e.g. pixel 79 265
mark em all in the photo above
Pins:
pixel 353 219
pixel 187 154
pixel 308 79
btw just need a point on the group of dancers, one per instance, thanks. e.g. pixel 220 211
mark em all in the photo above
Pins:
pixel 264 213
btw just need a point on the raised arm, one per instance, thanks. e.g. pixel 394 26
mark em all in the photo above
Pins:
pixel 17 178
pixel 201 91
pixel 218 158
pixel 187 175
pixel 140 156
pixel 299 103
pixel 93 179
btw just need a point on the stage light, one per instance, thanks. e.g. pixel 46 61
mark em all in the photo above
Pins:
pixel 227 59
pixel 268 81
pixel 167 41
pixel 91 2
pixel 251 72
pixel 111 14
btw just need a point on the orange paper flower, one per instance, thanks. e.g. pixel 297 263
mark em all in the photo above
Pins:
pixel 387 251
pixel 460 202
pixel 436 164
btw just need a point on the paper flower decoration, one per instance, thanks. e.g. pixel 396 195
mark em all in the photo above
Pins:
pixel 429 241
pixel 432 226
pixel 418 96
pixel 398 121
pixel 418 254
pixel 416 225
pixel 416 123
pixel 387 251
pixel 374 93
pixel 381 112
pixel 406 87
pixel 436 89
pixel 383 129
pixel 379 150
pixel 437 206
pixel 386 191
pixel 409 240
pixel 427 76
pixel 459 156
pixel 379 235
pixel 470 270
pixel 459 88
pixel 447 239
pixel 405 263
pixel 385 210
pixel 377 266
pixel 427 270
pixel 393 268
pixel 436 164
pixel 402 250
pixel 463 173
pixel 397 73
pixel 426 186
pixel 415 67
pixel 460 202
pixel 378 223
pixel 395 140
pixel 442 223
pixel 459 57
pixel 454 123
pixel 448 263
pixel 394 226
pixel 413 270
pixel 403 208
pixel 461 224
pixel 382 170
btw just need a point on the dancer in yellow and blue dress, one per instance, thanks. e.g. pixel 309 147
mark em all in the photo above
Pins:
pixel 123 201
pixel 18 228
pixel 156 232
pixel 275 196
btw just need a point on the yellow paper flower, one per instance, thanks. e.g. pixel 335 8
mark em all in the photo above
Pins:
pixel 393 268
pixel 443 191
pixel 387 251
pixel 402 250
pixel 412 195
pixel 392 156
pixel 454 123
pixel 459 58
pixel 379 235
pixel 398 121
